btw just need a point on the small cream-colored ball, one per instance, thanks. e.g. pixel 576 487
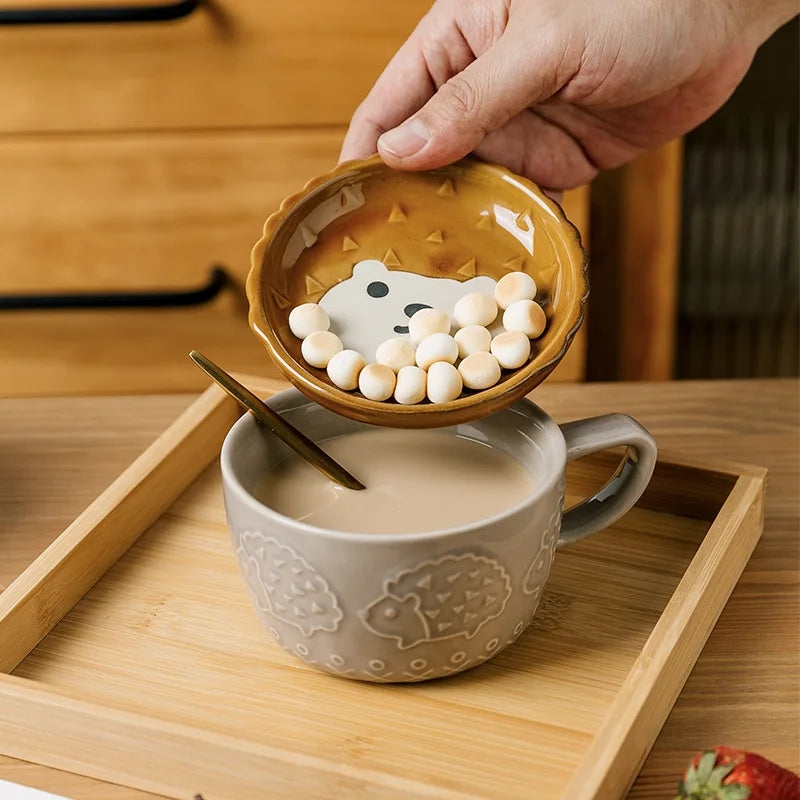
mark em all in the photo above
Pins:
pixel 436 347
pixel 479 371
pixel 475 308
pixel 427 321
pixel 411 386
pixel 308 318
pixel 473 339
pixel 396 353
pixel 512 349
pixel 320 347
pixel 344 369
pixel 444 382
pixel 512 287
pixel 526 316
pixel 376 382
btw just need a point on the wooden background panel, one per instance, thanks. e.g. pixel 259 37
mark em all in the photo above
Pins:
pixel 144 210
pixel 133 351
pixel 232 63
pixel 648 267
pixel 124 211
pixel 121 211
pixel 635 244
pixel 573 367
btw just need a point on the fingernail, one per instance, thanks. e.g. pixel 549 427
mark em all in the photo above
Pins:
pixel 407 139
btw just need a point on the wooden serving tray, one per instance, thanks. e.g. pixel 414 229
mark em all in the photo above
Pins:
pixel 129 650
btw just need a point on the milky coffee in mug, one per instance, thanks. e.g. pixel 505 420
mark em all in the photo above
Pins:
pixel 416 481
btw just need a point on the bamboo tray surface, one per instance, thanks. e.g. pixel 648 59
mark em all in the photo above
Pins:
pixel 149 667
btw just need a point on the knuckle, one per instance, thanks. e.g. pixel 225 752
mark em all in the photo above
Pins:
pixel 363 117
pixel 461 98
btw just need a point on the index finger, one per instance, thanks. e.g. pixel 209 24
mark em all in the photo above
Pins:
pixel 404 86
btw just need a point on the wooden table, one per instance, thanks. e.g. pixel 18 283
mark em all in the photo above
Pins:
pixel 56 455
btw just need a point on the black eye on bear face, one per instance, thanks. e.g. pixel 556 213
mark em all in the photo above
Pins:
pixel 377 289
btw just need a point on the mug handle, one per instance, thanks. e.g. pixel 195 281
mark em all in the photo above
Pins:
pixel 625 486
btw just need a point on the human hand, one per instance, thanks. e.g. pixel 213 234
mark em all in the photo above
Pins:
pixel 557 89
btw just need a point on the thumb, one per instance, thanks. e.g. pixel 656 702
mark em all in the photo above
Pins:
pixel 479 99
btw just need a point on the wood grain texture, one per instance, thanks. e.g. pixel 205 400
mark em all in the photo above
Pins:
pixel 666 661
pixel 635 248
pixel 184 620
pixel 573 366
pixel 145 211
pixel 66 784
pixel 650 240
pixel 122 352
pixel 190 758
pixel 717 419
pixel 233 63
pixel 87 548
pixel 55 462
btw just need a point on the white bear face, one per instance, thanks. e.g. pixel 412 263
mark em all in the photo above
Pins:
pixel 376 303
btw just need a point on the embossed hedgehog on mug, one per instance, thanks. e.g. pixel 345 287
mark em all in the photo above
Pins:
pixel 452 596
pixel 285 585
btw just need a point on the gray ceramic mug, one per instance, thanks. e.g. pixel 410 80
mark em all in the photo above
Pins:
pixel 409 607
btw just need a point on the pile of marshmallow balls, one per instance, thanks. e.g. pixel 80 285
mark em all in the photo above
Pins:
pixel 431 363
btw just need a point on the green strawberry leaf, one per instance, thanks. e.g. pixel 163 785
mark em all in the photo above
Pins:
pixel 734 791
pixel 723 770
pixel 690 782
pixel 718 774
pixel 705 766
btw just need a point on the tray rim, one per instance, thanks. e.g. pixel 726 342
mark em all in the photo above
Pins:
pixel 37 721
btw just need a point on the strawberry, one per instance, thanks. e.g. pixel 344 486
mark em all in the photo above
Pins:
pixel 725 773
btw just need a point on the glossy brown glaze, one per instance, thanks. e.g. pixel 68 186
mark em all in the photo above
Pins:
pixel 467 219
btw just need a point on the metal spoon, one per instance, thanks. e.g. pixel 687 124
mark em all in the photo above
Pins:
pixel 285 431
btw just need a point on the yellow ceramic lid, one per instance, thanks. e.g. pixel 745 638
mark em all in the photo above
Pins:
pixel 372 245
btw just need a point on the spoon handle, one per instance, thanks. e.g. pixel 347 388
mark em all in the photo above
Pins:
pixel 284 430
